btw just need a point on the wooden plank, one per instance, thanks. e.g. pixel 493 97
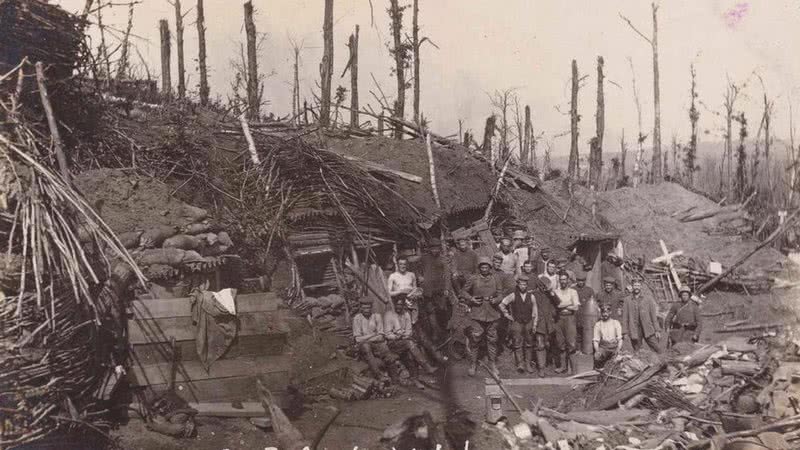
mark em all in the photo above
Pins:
pixel 193 371
pixel 377 167
pixel 143 331
pixel 182 307
pixel 234 389
pixel 553 381
pixel 250 345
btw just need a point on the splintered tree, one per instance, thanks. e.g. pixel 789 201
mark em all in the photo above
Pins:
pixel 527 157
pixel 501 100
pixel 415 45
pixel 623 150
pixel 326 66
pixel 352 66
pixel 637 161
pixel 741 159
pixel 573 169
pixel 253 97
pixel 400 53
pixel 690 157
pixel 166 81
pixel 731 94
pixel 201 57
pixel 534 161
pixel 179 44
pixel 488 134
pixel 656 173
pixel 122 67
pixel 596 153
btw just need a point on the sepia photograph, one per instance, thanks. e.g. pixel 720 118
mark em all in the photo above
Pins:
pixel 399 225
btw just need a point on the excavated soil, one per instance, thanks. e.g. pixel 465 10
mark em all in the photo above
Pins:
pixel 643 216
pixel 128 202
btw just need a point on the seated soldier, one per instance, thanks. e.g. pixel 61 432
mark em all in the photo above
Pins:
pixel 371 342
pixel 607 339
pixel 398 331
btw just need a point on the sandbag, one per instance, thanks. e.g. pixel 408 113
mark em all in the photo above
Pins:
pixel 215 250
pixel 224 239
pixel 130 239
pixel 193 214
pixel 183 241
pixel 197 228
pixel 209 238
pixel 154 237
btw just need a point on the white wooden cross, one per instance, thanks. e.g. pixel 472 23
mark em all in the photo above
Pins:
pixel 667 258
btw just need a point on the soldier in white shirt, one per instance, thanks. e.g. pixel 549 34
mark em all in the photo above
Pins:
pixel 371 341
pixel 607 337
pixel 566 326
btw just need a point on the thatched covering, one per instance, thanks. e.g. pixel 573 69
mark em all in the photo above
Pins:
pixel 41 32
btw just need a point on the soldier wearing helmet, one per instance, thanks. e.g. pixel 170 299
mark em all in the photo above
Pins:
pixel 482 294
pixel 684 320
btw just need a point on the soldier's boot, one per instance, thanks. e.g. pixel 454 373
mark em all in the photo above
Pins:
pixel 472 356
pixel 573 359
pixel 564 361
pixel 519 361
pixel 527 352
pixel 541 360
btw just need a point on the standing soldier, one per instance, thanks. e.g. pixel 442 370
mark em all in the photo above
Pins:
pixel 552 273
pixel 482 295
pixel 509 263
pixel 607 337
pixel 436 290
pixel 640 319
pixel 612 267
pixel 588 312
pixel 545 323
pixel 684 320
pixel 519 308
pixel 541 262
pixel 505 286
pixel 566 331
pixel 521 248
pixel 612 297
pixel 465 263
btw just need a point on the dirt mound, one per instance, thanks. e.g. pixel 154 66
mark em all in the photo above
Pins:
pixel 463 181
pixel 129 202
pixel 643 216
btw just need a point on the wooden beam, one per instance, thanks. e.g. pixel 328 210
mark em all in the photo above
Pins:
pixel 182 307
pixel 192 371
pixel 551 381
pixel 377 167
pixel 144 331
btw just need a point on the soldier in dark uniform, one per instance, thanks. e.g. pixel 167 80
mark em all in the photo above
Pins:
pixel 436 285
pixel 482 295
pixel 545 323
pixel 611 296
pixel 519 308
pixel 684 320
pixel 588 306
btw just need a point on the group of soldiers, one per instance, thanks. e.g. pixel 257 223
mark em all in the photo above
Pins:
pixel 521 299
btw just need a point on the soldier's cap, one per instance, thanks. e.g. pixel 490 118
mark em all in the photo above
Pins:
pixel 544 281
pixel 462 238
pixel 683 289
pixel 523 277
pixel 366 301
pixel 609 280
pixel 498 255
pixel 544 249
pixel 484 260
pixel 435 242
pixel 519 234
pixel 581 276
pixel 605 307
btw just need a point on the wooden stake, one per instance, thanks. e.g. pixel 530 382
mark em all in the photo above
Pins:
pixel 201 57
pixel 251 145
pixel 179 42
pixel 432 171
pixel 252 63
pixel 166 46
pixel 51 122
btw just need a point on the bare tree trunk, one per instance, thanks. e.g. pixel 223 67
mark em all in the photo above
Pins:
pixel 534 158
pixel 201 57
pixel 415 43
pixel 396 15
pixel 326 66
pixel 253 101
pixel 525 155
pixel 656 169
pixel 767 140
pixel 623 148
pixel 488 133
pixel 103 50
pixel 596 156
pixel 637 164
pixel 166 81
pixel 179 42
pixel 694 117
pixel 122 67
pixel 573 169
pixel 354 79
pixel 504 150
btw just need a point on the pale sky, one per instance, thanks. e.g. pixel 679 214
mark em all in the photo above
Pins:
pixel 485 46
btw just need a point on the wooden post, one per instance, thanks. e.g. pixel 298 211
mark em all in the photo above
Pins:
pixel 432 168
pixel 201 58
pixel 415 43
pixel 596 156
pixel 179 43
pixel 326 66
pixel 51 122
pixel 166 46
pixel 396 14
pixel 354 79
pixel 122 67
pixel 573 169
pixel 252 63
